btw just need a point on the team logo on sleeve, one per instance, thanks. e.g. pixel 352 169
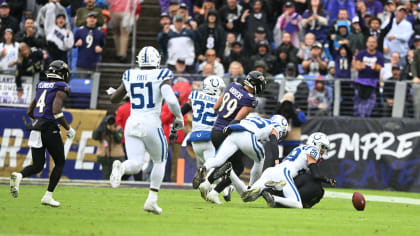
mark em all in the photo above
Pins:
pixel 254 103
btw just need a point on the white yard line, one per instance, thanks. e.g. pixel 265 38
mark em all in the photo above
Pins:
pixel 374 198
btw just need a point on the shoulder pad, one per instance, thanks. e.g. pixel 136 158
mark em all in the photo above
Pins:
pixel 165 74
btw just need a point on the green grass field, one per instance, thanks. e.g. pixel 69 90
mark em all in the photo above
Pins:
pixel 106 211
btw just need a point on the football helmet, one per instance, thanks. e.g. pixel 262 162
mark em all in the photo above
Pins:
pixel 148 57
pixel 213 85
pixel 319 140
pixel 281 125
pixel 256 80
pixel 58 70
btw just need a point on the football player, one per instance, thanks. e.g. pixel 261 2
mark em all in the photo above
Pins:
pixel 46 112
pixel 146 86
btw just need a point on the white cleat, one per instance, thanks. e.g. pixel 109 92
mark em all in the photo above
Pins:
pixel 48 200
pixel 116 174
pixel 276 185
pixel 15 179
pixel 227 192
pixel 213 197
pixel 204 188
pixel 251 194
pixel 152 207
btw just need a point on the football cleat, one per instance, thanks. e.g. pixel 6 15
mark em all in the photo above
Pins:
pixel 15 179
pixel 198 177
pixel 223 171
pixel 269 199
pixel 251 194
pixel 116 174
pixel 204 188
pixel 213 197
pixel 276 185
pixel 227 192
pixel 151 206
pixel 48 200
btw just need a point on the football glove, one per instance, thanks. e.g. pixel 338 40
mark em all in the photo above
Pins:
pixel 332 182
pixel 178 124
pixel 227 130
pixel 71 133
pixel 173 135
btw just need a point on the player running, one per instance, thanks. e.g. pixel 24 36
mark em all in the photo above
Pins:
pixel 280 177
pixel 46 112
pixel 146 87
pixel 204 116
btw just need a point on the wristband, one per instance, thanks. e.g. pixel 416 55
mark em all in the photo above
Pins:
pixel 59 115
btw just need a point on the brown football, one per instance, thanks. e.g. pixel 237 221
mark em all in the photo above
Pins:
pixel 359 201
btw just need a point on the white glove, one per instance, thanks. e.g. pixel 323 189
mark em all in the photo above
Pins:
pixel 178 124
pixel 71 133
pixel 110 90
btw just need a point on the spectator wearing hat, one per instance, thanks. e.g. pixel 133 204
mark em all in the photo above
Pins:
pixel 237 54
pixel 397 38
pixel 201 12
pixel 28 35
pixel 179 42
pixel 334 7
pixel 315 20
pixel 316 64
pixel 251 42
pixel 262 67
pixel 287 45
pixel 165 23
pixel 211 59
pixel 282 59
pixel 42 14
pixel 233 16
pixel 356 38
pixel 288 22
pixel 369 63
pixel 164 19
pixel 388 9
pixel 256 20
pixel 386 71
pixel 212 36
pixel 179 72
pixel 17 8
pixel 59 38
pixel 263 53
pixel 82 14
pixel 183 10
pixel 7 21
pixel 318 99
pixel 389 89
pixel 342 37
pixel 343 18
pixel 90 42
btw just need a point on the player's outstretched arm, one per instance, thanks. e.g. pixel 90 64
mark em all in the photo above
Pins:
pixel 218 103
pixel 243 113
pixel 173 104
pixel 316 173
pixel 272 145
pixel 186 107
pixel 119 94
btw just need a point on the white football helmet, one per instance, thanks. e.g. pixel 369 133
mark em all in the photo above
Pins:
pixel 148 57
pixel 281 125
pixel 213 85
pixel 319 140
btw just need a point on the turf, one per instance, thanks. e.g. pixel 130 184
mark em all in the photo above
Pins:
pixel 106 211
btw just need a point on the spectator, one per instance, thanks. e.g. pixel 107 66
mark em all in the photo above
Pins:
pixel 16 9
pixel 208 70
pixel 110 148
pixel 252 42
pixel 183 11
pixel 342 37
pixel 7 21
pixel 201 14
pixel 90 42
pixel 257 18
pixel 389 89
pixel 415 71
pixel 374 7
pixel 389 8
pixel 238 55
pixel 122 22
pixel 376 31
pixel 173 8
pixel 289 22
pixel 357 39
pixel 211 59
pixel 282 59
pixel 386 71
pixel 369 63
pixel 287 45
pixel 399 35
pixel 342 62
pixel 343 15
pixel 305 47
pixel 232 16
pixel 213 36
pixel 179 71
pixel 9 50
pixel 82 14
pixel 319 104
pixel 315 20
pixel 263 53
pixel 28 35
pixel 230 39
pixel 165 23
pixel 262 67
pixel 336 7
pixel 59 10
pixel 406 73
pixel 59 38
pixel 316 64
pixel 179 42
pixel 235 72
pixel 293 78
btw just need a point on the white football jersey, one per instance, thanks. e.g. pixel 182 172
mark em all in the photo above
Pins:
pixel 204 115
pixel 297 159
pixel 261 127
pixel 143 87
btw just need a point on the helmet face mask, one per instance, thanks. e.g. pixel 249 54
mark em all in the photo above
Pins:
pixel 148 57
pixel 256 80
pixel 213 85
pixel 58 70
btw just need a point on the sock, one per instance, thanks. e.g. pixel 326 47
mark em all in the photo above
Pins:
pixel 156 177
pixel 287 202
pixel 48 194
pixel 237 183
pixel 153 196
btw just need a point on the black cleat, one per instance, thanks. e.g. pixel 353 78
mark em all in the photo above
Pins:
pixel 227 192
pixel 223 171
pixel 269 199
pixel 198 177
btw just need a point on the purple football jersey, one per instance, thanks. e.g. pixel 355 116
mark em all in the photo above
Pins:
pixel 45 94
pixel 234 98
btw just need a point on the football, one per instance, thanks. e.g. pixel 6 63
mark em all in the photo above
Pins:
pixel 359 201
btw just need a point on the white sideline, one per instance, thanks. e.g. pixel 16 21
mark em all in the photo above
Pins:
pixel 374 198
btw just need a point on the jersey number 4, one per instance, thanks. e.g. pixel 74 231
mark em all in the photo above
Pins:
pixel 41 101
pixel 201 115
pixel 139 93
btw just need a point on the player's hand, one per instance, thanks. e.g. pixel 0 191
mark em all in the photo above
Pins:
pixel 178 124
pixel 110 91
pixel 71 133
pixel 332 182
pixel 173 135
pixel 227 130
pixel 98 49
pixel 78 43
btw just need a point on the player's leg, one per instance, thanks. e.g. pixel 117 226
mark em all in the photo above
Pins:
pixel 157 147
pixel 310 190
pixel 54 144
pixel 252 148
pixel 291 194
pixel 270 174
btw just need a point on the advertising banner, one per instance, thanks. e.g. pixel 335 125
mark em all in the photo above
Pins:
pixel 8 94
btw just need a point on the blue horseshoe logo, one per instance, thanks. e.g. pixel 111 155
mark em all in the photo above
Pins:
pixel 317 137
pixel 214 80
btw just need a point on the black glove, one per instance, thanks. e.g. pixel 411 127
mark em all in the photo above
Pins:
pixel 332 182
pixel 227 130
pixel 173 136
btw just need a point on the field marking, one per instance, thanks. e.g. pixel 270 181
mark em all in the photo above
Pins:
pixel 374 198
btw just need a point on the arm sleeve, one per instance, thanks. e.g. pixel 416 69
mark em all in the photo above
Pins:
pixel 69 41
pixel 49 18
pixel 273 147
pixel 316 173
pixel 171 100
pixel 186 108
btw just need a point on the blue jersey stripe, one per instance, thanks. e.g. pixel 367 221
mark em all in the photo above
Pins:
pixel 163 145
pixel 259 147
pixel 253 146
pixel 166 74
pixel 166 144
pixel 145 55
pixel 291 183
pixel 128 75
pixel 161 71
